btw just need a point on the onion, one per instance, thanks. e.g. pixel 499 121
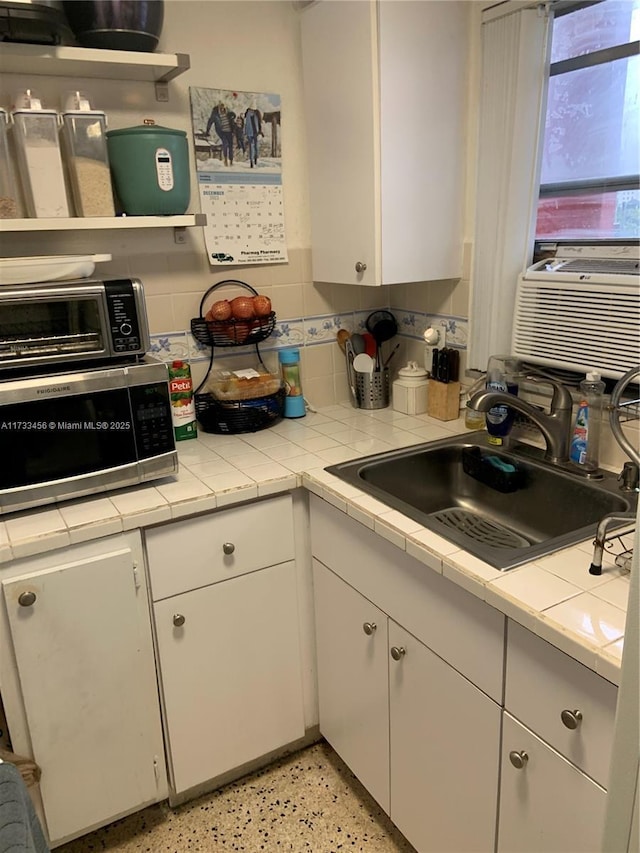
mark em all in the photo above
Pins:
pixel 261 306
pixel 220 310
pixel 239 332
pixel 242 308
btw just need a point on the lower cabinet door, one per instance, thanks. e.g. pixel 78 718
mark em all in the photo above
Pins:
pixel 547 805
pixel 352 649
pixel 230 669
pixel 445 741
pixel 82 638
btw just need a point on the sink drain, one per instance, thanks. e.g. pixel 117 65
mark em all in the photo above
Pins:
pixel 480 529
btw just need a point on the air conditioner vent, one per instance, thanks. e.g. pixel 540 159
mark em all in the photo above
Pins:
pixel 578 325
pixel 595 266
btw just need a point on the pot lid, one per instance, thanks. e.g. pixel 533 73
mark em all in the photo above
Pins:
pixel 149 127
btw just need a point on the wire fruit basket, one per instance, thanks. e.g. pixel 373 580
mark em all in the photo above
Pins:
pixel 232 332
pixel 238 416
pixel 229 416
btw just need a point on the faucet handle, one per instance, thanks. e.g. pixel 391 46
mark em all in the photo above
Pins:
pixel 561 399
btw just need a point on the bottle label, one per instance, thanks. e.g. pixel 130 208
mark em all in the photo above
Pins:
pixel 498 414
pixel 579 442
pixel 183 408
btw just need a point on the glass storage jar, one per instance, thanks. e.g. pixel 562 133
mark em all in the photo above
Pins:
pixel 85 149
pixel 9 207
pixel 39 159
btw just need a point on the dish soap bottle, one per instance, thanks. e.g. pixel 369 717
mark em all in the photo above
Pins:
pixel 585 444
pixel 501 376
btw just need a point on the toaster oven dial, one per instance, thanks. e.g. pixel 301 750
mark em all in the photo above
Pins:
pixel 126 329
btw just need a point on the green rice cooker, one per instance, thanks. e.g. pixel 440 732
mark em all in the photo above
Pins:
pixel 150 169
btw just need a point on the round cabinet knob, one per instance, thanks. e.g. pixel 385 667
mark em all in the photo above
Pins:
pixel 228 548
pixel 26 599
pixel 518 759
pixel 571 719
pixel 360 266
pixel 369 628
pixel 178 620
pixel 398 652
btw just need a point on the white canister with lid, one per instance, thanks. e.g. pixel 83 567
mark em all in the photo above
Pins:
pixel 39 160
pixel 410 389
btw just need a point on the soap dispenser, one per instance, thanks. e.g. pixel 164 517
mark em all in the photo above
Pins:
pixel 410 389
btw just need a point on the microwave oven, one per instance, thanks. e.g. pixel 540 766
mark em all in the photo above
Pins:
pixel 73 434
pixel 53 325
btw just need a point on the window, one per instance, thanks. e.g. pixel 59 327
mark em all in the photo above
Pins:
pixel 591 151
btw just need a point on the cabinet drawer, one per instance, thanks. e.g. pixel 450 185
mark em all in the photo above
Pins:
pixel 543 684
pixel 190 554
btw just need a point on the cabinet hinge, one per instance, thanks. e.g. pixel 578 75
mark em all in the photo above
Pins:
pixel 136 579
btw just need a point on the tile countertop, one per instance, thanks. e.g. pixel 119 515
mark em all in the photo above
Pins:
pixel 555 596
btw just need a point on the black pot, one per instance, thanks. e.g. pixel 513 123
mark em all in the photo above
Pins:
pixel 116 24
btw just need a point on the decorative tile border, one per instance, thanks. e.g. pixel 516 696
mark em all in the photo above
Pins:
pixel 312 331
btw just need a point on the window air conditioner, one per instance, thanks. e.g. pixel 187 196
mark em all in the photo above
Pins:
pixel 580 310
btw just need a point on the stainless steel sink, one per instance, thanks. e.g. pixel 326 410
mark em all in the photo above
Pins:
pixel 464 489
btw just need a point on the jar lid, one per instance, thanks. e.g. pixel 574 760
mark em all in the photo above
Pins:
pixel 413 371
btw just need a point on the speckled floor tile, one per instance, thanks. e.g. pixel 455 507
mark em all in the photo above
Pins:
pixel 305 802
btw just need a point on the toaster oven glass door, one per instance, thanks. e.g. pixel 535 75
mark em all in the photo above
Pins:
pixel 44 329
pixel 67 437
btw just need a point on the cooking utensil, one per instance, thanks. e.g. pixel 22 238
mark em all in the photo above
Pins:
pixel 348 348
pixel 390 356
pixel 434 363
pixel 358 343
pixel 363 363
pixel 342 337
pixel 454 365
pixel 370 344
pixel 443 365
pixel 383 326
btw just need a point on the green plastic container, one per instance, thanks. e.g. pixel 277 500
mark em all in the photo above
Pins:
pixel 150 169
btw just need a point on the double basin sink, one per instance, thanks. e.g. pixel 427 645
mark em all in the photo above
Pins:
pixel 504 506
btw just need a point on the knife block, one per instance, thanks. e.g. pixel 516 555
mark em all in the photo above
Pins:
pixel 443 401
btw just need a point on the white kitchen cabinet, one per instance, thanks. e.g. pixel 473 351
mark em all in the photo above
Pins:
pixel 385 96
pixel 445 742
pixel 556 748
pixel 421 737
pixel 547 805
pixel 352 649
pixel 227 634
pixel 79 626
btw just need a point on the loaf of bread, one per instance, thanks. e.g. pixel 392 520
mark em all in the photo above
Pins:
pixel 227 385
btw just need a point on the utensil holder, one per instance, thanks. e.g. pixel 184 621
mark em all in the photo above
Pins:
pixel 372 389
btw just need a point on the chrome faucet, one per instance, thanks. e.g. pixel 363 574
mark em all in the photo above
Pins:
pixel 555 426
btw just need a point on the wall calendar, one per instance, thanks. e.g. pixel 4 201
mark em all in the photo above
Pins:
pixel 239 162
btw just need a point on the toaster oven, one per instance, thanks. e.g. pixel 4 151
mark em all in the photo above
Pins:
pixel 53 326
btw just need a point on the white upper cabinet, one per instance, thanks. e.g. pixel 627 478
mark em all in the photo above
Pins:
pixel 385 97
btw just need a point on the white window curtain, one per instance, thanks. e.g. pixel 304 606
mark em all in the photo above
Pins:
pixel 513 78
